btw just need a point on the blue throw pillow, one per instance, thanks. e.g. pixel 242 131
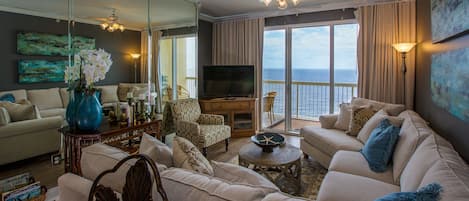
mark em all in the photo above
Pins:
pixel 430 192
pixel 380 146
pixel 8 97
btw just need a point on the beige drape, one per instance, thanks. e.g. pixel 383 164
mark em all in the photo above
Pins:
pixel 156 35
pixel 379 65
pixel 239 42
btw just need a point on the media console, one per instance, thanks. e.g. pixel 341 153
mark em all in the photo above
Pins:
pixel 240 113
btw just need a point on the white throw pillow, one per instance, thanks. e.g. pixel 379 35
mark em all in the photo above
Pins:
pixel 187 156
pixel 371 124
pixel 156 150
pixel 345 115
pixel 241 175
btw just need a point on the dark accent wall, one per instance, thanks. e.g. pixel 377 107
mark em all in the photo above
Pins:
pixel 450 127
pixel 204 49
pixel 322 16
pixel 118 44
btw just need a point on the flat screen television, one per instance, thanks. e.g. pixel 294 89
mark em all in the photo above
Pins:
pixel 228 81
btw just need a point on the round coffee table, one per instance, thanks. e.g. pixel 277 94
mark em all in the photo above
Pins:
pixel 283 163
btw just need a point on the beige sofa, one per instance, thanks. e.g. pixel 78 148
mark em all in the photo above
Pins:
pixel 179 184
pixel 26 139
pixel 420 157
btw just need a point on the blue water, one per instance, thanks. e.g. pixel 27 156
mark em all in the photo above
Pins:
pixel 312 75
pixel 310 101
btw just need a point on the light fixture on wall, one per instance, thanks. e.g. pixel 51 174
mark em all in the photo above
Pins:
pixel 281 4
pixel 112 24
pixel 403 48
pixel 135 57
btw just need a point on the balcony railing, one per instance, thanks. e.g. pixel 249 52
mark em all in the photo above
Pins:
pixel 191 85
pixel 309 99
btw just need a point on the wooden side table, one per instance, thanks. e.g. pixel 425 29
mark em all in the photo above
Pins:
pixel 113 135
pixel 283 163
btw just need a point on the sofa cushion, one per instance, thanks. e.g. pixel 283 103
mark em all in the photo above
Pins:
pixel 18 94
pixel 360 115
pixel 345 115
pixel 241 175
pixel 353 162
pixel 65 96
pixel 185 185
pixel 330 140
pixel 338 186
pixel 392 109
pixel 413 131
pixel 279 196
pixel 100 157
pixel 45 98
pixel 187 156
pixel 365 132
pixel 53 112
pixel 19 112
pixel 423 158
pixel 380 146
pixel 156 150
pixel 109 94
pixel 4 117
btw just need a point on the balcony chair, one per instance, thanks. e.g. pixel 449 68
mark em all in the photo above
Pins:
pixel 269 105
pixel 203 130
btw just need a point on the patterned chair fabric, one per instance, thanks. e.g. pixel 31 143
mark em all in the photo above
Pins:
pixel 203 130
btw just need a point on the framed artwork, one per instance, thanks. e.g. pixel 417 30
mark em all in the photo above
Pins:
pixel 449 19
pixel 449 82
pixel 32 43
pixel 40 71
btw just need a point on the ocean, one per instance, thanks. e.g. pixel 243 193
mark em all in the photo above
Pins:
pixel 310 100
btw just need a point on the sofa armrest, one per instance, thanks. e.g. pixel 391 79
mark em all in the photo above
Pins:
pixel 190 131
pixel 4 117
pixel 73 187
pixel 211 119
pixel 328 121
pixel 30 126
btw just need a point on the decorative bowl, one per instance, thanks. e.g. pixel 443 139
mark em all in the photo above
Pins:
pixel 268 141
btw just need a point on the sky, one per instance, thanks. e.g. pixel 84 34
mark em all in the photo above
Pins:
pixel 311 48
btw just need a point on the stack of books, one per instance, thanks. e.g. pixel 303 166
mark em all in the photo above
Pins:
pixel 20 188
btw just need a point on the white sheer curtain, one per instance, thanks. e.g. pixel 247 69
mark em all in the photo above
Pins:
pixel 379 65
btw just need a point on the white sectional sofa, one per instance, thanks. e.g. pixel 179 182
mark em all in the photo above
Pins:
pixel 179 184
pixel 420 157
pixel 25 139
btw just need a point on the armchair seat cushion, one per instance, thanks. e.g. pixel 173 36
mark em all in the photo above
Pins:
pixel 214 133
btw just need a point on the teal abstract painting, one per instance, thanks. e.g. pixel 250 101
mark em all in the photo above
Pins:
pixel 39 71
pixel 450 82
pixel 50 44
pixel 449 19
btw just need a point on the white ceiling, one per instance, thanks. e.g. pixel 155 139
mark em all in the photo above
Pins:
pixel 231 8
pixel 131 13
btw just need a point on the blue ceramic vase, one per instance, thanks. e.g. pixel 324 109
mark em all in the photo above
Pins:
pixel 71 112
pixel 89 113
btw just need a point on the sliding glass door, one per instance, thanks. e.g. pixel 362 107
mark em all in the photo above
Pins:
pixel 310 69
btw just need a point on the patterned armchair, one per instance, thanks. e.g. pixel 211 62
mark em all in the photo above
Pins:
pixel 203 130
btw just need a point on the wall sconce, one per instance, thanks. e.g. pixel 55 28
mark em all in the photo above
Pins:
pixel 135 57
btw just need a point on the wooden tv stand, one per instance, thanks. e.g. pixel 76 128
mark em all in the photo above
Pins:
pixel 240 113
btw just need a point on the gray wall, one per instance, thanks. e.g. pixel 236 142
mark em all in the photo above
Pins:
pixel 118 44
pixel 441 121
pixel 204 49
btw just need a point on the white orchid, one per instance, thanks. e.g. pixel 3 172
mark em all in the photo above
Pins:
pixel 93 64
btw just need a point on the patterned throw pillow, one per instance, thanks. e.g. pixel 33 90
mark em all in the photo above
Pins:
pixel 187 156
pixel 360 115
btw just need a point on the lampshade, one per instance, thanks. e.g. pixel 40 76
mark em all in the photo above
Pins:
pixel 403 47
pixel 135 56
